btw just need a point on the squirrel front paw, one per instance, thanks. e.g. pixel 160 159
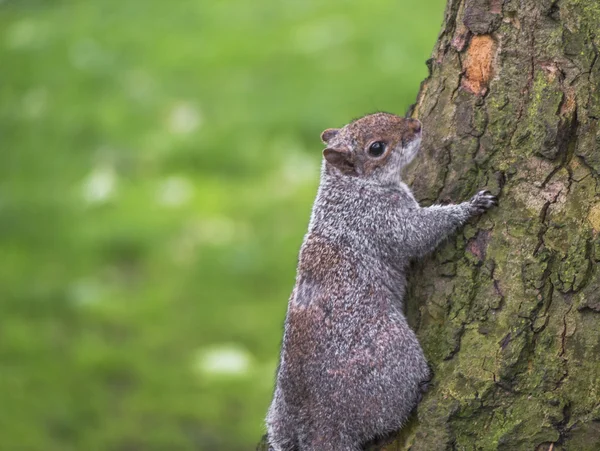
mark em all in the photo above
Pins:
pixel 482 201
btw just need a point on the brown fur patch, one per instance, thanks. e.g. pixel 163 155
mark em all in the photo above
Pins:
pixel 479 64
pixel 318 257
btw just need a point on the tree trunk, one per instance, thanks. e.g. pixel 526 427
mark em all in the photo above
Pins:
pixel 508 311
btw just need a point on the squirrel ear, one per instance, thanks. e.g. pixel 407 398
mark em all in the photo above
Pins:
pixel 328 134
pixel 340 158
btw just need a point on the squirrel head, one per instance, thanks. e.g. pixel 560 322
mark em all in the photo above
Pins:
pixel 376 146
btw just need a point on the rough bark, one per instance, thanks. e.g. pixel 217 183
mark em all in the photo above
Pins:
pixel 508 311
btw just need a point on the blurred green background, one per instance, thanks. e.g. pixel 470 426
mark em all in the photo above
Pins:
pixel 158 165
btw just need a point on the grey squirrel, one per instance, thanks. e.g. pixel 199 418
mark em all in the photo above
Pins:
pixel 351 370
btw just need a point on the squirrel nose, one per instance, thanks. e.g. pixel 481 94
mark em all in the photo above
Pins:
pixel 415 125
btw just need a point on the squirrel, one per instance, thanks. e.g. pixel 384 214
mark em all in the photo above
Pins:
pixel 351 369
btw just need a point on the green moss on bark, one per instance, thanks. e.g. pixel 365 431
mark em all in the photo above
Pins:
pixel 508 312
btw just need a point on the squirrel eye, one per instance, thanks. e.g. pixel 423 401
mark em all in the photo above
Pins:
pixel 376 149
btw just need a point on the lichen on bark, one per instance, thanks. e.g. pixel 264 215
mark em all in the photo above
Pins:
pixel 508 311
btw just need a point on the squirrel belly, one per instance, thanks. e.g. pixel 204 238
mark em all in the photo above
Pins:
pixel 351 369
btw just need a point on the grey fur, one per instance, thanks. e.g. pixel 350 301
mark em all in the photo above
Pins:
pixel 351 370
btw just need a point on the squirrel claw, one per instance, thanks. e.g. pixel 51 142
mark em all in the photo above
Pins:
pixel 483 201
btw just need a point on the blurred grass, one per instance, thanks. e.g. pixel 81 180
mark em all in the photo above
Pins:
pixel 158 164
